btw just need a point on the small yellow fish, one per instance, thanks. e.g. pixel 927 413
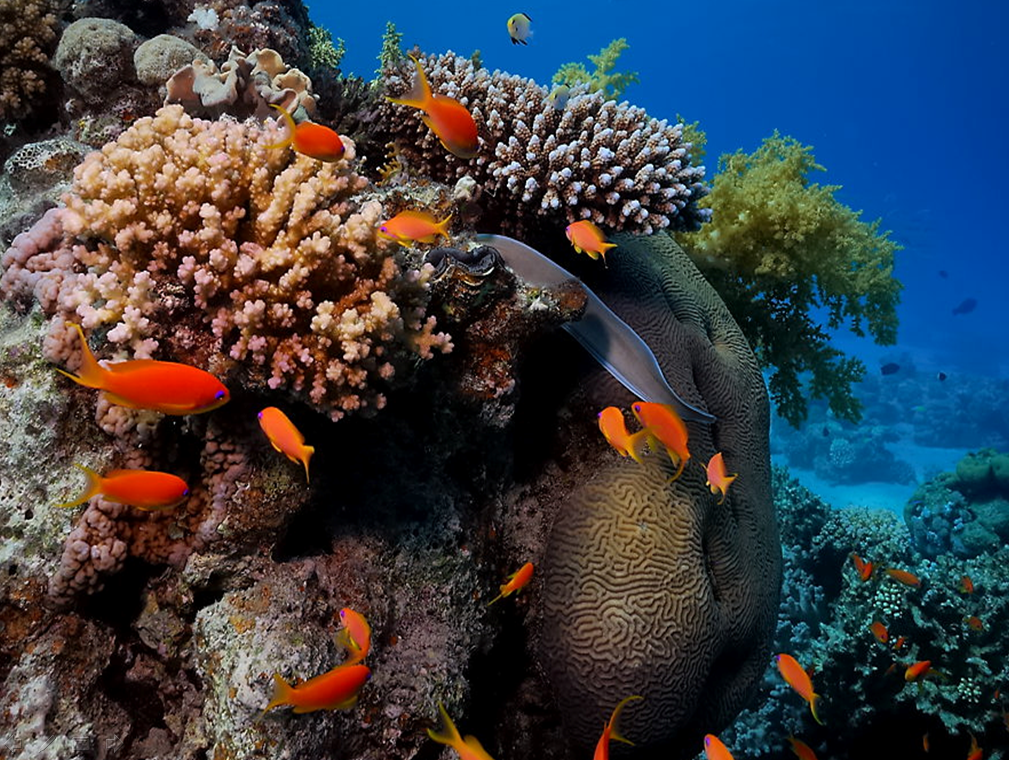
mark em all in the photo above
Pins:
pixel 285 437
pixel 588 239
pixel 519 28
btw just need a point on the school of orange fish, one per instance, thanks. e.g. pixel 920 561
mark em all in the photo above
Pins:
pixel 179 389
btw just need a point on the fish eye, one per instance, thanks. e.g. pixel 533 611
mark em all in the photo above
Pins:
pixel 220 394
pixel 185 492
pixel 259 415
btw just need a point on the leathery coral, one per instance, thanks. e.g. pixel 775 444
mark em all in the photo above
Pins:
pixel 594 159
pixel 190 239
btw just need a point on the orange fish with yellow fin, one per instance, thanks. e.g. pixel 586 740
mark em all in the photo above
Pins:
pixel 718 477
pixel 586 238
pixel 144 489
pixel 310 139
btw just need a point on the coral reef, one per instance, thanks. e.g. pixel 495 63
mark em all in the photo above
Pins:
pixel 268 251
pixel 963 513
pixel 825 621
pixel 682 591
pixel 604 80
pixel 94 58
pixel 778 248
pixel 539 167
pixel 27 33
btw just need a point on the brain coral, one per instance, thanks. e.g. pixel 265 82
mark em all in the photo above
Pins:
pixel 652 587
pixel 190 238
pixel 595 159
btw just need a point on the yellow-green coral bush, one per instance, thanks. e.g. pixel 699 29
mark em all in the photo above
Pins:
pixel 610 83
pixel 791 262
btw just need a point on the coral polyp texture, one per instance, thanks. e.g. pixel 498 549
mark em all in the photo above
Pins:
pixel 192 240
pixel 27 37
pixel 594 159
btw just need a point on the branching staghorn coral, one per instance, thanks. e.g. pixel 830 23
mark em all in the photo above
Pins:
pixel 778 247
pixel 594 159
pixel 603 79
pixel 193 241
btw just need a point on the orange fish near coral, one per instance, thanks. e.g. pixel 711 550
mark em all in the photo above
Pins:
pixel 335 690
pixel 880 632
pixel 285 437
pixel 918 670
pixel 903 576
pixel 714 749
pixel 718 478
pixel 355 635
pixel 899 643
pixel 414 226
pixel 974 622
pixel 966 585
pixel 588 239
pixel 166 387
pixel 449 119
pixel 610 731
pixel 975 752
pixel 468 748
pixel 143 489
pixel 802 750
pixel 311 139
pixel 614 429
pixel 516 582
pixel 863 568
pixel 799 680
pixel 664 427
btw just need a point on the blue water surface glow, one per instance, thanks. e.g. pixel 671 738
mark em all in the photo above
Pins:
pixel 905 103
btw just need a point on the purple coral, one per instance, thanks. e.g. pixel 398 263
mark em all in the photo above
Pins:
pixel 595 159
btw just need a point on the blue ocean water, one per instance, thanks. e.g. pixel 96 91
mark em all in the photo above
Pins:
pixel 905 104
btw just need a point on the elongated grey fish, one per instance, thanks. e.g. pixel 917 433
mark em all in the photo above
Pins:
pixel 610 340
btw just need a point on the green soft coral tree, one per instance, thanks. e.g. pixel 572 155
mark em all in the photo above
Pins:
pixel 792 262
pixel 604 79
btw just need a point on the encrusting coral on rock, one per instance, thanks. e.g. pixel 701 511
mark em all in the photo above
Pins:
pixel 593 159
pixel 191 238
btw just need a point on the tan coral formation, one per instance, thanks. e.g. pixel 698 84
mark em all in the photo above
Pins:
pixel 27 33
pixel 191 239
pixel 594 159
pixel 651 587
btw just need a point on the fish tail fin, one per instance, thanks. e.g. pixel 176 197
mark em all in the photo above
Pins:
pixel 306 456
pixel 93 487
pixel 615 734
pixel 497 598
pixel 90 374
pixel 442 226
pixel 636 445
pixel 680 463
pixel 291 127
pixel 282 692
pixel 449 734
pixel 420 93
pixel 812 707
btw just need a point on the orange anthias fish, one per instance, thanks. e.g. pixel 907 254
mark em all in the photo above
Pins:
pixel 311 139
pixel 802 750
pixel 863 568
pixel 516 581
pixel 975 752
pixel 718 478
pixel 335 690
pixel 714 749
pixel 143 489
pixel 799 680
pixel 966 585
pixel 918 670
pixel 974 622
pixel 166 387
pixel 355 635
pixel 610 731
pixel 414 226
pixel 665 427
pixel 285 437
pixel 880 632
pixel 614 429
pixel 449 119
pixel 903 576
pixel 468 748
pixel 588 239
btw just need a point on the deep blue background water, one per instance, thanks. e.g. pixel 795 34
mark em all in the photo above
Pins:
pixel 905 103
